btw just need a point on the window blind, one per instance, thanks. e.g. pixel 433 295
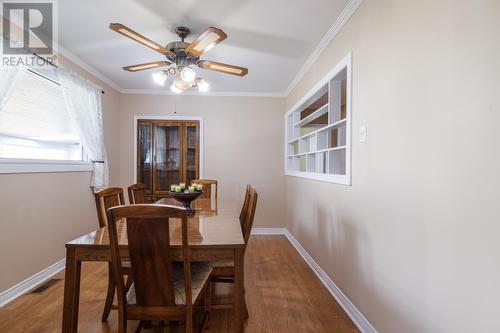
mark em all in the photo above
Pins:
pixel 34 122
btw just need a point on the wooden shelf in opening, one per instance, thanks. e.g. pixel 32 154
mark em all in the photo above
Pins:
pixel 318 151
pixel 316 114
pixel 336 124
pixel 331 149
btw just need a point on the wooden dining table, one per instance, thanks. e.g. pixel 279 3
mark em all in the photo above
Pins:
pixel 214 233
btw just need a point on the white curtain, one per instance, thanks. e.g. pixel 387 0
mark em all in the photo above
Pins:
pixel 83 101
pixel 8 75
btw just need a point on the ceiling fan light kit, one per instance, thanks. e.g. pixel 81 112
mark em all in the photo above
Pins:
pixel 202 85
pixel 180 56
pixel 188 74
pixel 160 77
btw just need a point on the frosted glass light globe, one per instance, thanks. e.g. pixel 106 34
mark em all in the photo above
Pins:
pixel 188 74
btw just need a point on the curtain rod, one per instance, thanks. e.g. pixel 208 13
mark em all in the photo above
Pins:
pixel 51 63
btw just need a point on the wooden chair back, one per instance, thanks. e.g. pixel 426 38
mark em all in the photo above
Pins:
pixel 137 194
pixel 207 187
pixel 105 199
pixel 249 216
pixel 148 233
pixel 244 208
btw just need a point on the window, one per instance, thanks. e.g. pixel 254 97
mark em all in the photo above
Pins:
pixel 318 135
pixel 34 125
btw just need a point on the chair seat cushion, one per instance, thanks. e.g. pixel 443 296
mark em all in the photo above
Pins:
pixel 222 263
pixel 200 275
pixel 223 269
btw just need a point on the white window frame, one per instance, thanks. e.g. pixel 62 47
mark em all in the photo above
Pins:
pixel 188 118
pixel 344 64
pixel 13 165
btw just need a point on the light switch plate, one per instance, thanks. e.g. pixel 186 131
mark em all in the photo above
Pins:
pixel 362 134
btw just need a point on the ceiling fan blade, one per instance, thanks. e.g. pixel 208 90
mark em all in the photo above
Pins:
pixel 223 68
pixel 127 32
pixel 208 39
pixel 148 65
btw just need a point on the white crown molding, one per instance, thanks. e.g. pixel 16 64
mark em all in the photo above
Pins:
pixel 356 316
pixel 349 9
pixel 73 58
pixel 195 93
pixel 31 282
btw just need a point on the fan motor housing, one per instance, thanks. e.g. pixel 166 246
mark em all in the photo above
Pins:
pixel 178 48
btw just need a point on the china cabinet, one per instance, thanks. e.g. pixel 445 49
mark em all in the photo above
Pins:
pixel 167 153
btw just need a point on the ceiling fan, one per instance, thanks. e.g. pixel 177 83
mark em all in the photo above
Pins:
pixel 180 56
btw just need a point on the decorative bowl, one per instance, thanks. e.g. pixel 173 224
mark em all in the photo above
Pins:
pixel 185 198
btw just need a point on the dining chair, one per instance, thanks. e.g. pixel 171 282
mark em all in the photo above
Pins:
pixel 162 289
pixel 207 187
pixel 137 194
pixel 244 208
pixel 105 199
pixel 224 271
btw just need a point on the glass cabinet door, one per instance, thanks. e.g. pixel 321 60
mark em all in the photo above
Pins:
pixel 191 152
pixel 167 156
pixel 145 155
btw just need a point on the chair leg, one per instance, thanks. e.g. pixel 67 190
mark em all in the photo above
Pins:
pixel 172 325
pixel 110 296
pixel 139 327
pixel 245 308
pixel 189 324
pixel 208 306
pixel 122 322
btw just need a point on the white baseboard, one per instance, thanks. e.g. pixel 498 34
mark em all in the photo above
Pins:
pixel 268 231
pixel 31 282
pixel 356 316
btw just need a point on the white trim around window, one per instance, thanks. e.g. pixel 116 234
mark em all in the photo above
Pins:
pixel 13 166
pixel 195 118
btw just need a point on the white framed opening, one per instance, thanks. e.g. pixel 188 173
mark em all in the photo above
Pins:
pixel 318 129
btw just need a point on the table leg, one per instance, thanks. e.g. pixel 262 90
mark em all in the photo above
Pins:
pixel 239 290
pixel 71 292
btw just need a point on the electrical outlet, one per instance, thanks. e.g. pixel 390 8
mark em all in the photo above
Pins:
pixel 362 134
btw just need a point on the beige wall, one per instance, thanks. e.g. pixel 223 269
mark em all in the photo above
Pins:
pixel 413 242
pixel 40 212
pixel 243 144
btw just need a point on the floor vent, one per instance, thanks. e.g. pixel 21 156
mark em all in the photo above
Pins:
pixel 41 288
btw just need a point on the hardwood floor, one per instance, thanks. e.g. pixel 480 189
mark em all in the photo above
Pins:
pixel 282 293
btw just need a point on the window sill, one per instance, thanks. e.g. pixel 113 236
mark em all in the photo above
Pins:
pixel 13 166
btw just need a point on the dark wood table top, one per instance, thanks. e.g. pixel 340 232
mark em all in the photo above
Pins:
pixel 214 224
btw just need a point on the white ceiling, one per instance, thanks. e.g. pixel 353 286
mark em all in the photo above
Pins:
pixel 272 38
